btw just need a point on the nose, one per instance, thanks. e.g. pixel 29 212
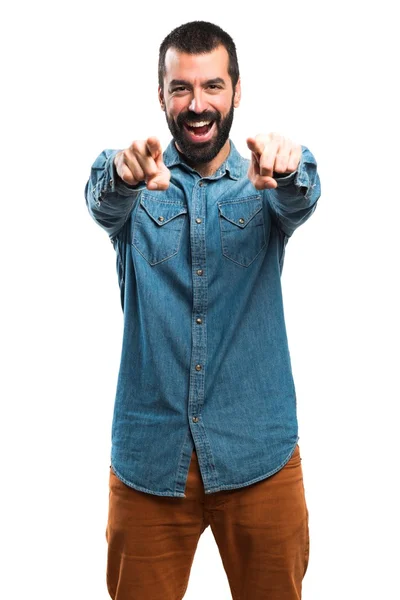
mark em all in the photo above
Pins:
pixel 198 103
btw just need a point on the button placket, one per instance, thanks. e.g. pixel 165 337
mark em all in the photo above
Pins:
pixel 199 332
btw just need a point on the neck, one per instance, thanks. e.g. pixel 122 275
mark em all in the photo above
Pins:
pixel 208 169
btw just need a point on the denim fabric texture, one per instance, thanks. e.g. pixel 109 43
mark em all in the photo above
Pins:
pixel 205 363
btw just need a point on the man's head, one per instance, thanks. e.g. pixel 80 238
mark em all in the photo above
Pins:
pixel 199 87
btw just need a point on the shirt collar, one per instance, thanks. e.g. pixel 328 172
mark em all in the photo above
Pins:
pixel 232 165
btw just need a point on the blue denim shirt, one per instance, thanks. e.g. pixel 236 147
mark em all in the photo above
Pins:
pixel 205 363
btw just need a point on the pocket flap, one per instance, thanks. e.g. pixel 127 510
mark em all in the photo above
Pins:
pixel 241 212
pixel 161 211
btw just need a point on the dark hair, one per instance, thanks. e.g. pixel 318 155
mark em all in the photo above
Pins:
pixel 198 37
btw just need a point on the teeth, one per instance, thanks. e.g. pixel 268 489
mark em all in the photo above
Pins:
pixel 198 124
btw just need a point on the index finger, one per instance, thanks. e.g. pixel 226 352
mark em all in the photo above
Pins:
pixel 153 145
pixel 254 146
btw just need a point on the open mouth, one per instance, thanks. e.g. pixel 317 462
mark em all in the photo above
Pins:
pixel 199 131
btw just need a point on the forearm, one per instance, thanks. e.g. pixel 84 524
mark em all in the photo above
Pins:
pixel 108 198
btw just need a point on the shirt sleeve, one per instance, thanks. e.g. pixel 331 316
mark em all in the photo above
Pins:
pixel 295 198
pixel 108 199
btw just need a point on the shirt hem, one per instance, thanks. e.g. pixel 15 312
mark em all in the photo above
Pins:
pixel 211 490
pixel 140 488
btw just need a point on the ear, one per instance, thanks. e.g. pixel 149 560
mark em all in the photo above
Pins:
pixel 238 94
pixel 161 98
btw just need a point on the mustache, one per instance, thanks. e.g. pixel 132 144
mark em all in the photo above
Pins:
pixel 196 118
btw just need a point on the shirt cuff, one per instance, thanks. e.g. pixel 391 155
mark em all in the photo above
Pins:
pixel 283 180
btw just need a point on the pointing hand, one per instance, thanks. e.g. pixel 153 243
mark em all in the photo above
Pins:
pixel 271 154
pixel 143 161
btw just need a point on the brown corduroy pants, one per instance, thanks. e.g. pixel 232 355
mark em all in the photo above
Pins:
pixel 261 531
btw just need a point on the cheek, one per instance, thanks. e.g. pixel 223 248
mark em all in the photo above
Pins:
pixel 175 107
pixel 223 106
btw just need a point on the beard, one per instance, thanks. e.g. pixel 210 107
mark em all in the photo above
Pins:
pixel 199 153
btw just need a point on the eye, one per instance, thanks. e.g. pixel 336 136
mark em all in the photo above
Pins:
pixel 214 88
pixel 180 88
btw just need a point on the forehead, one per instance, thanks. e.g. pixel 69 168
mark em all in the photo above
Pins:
pixel 190 67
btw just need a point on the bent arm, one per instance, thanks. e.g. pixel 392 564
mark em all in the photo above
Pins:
pixel 295 198
pixel 108 199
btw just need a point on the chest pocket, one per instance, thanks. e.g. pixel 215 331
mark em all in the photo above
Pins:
pixel 242 229
pixel 157 228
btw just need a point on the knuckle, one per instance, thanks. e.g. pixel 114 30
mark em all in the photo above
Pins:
pixel 127 176
pixel 151 171
pixel 136 146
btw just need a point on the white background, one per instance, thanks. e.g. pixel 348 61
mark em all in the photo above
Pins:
pixel 79 77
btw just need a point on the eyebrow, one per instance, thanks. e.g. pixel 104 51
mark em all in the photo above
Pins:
pixel 214 81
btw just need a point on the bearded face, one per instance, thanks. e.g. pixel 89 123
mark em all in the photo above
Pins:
pixel 200 137
pixel 198 99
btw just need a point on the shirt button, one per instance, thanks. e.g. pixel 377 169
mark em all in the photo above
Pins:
pixel 199 271
pixel 241 220
pixel 198 220
pixel 195 419
pixel 111 181
pixel 198 367
pixel 199 321
pixel 161 219
pixel 201 184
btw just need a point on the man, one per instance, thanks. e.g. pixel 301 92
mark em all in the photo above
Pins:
pixel 204 428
